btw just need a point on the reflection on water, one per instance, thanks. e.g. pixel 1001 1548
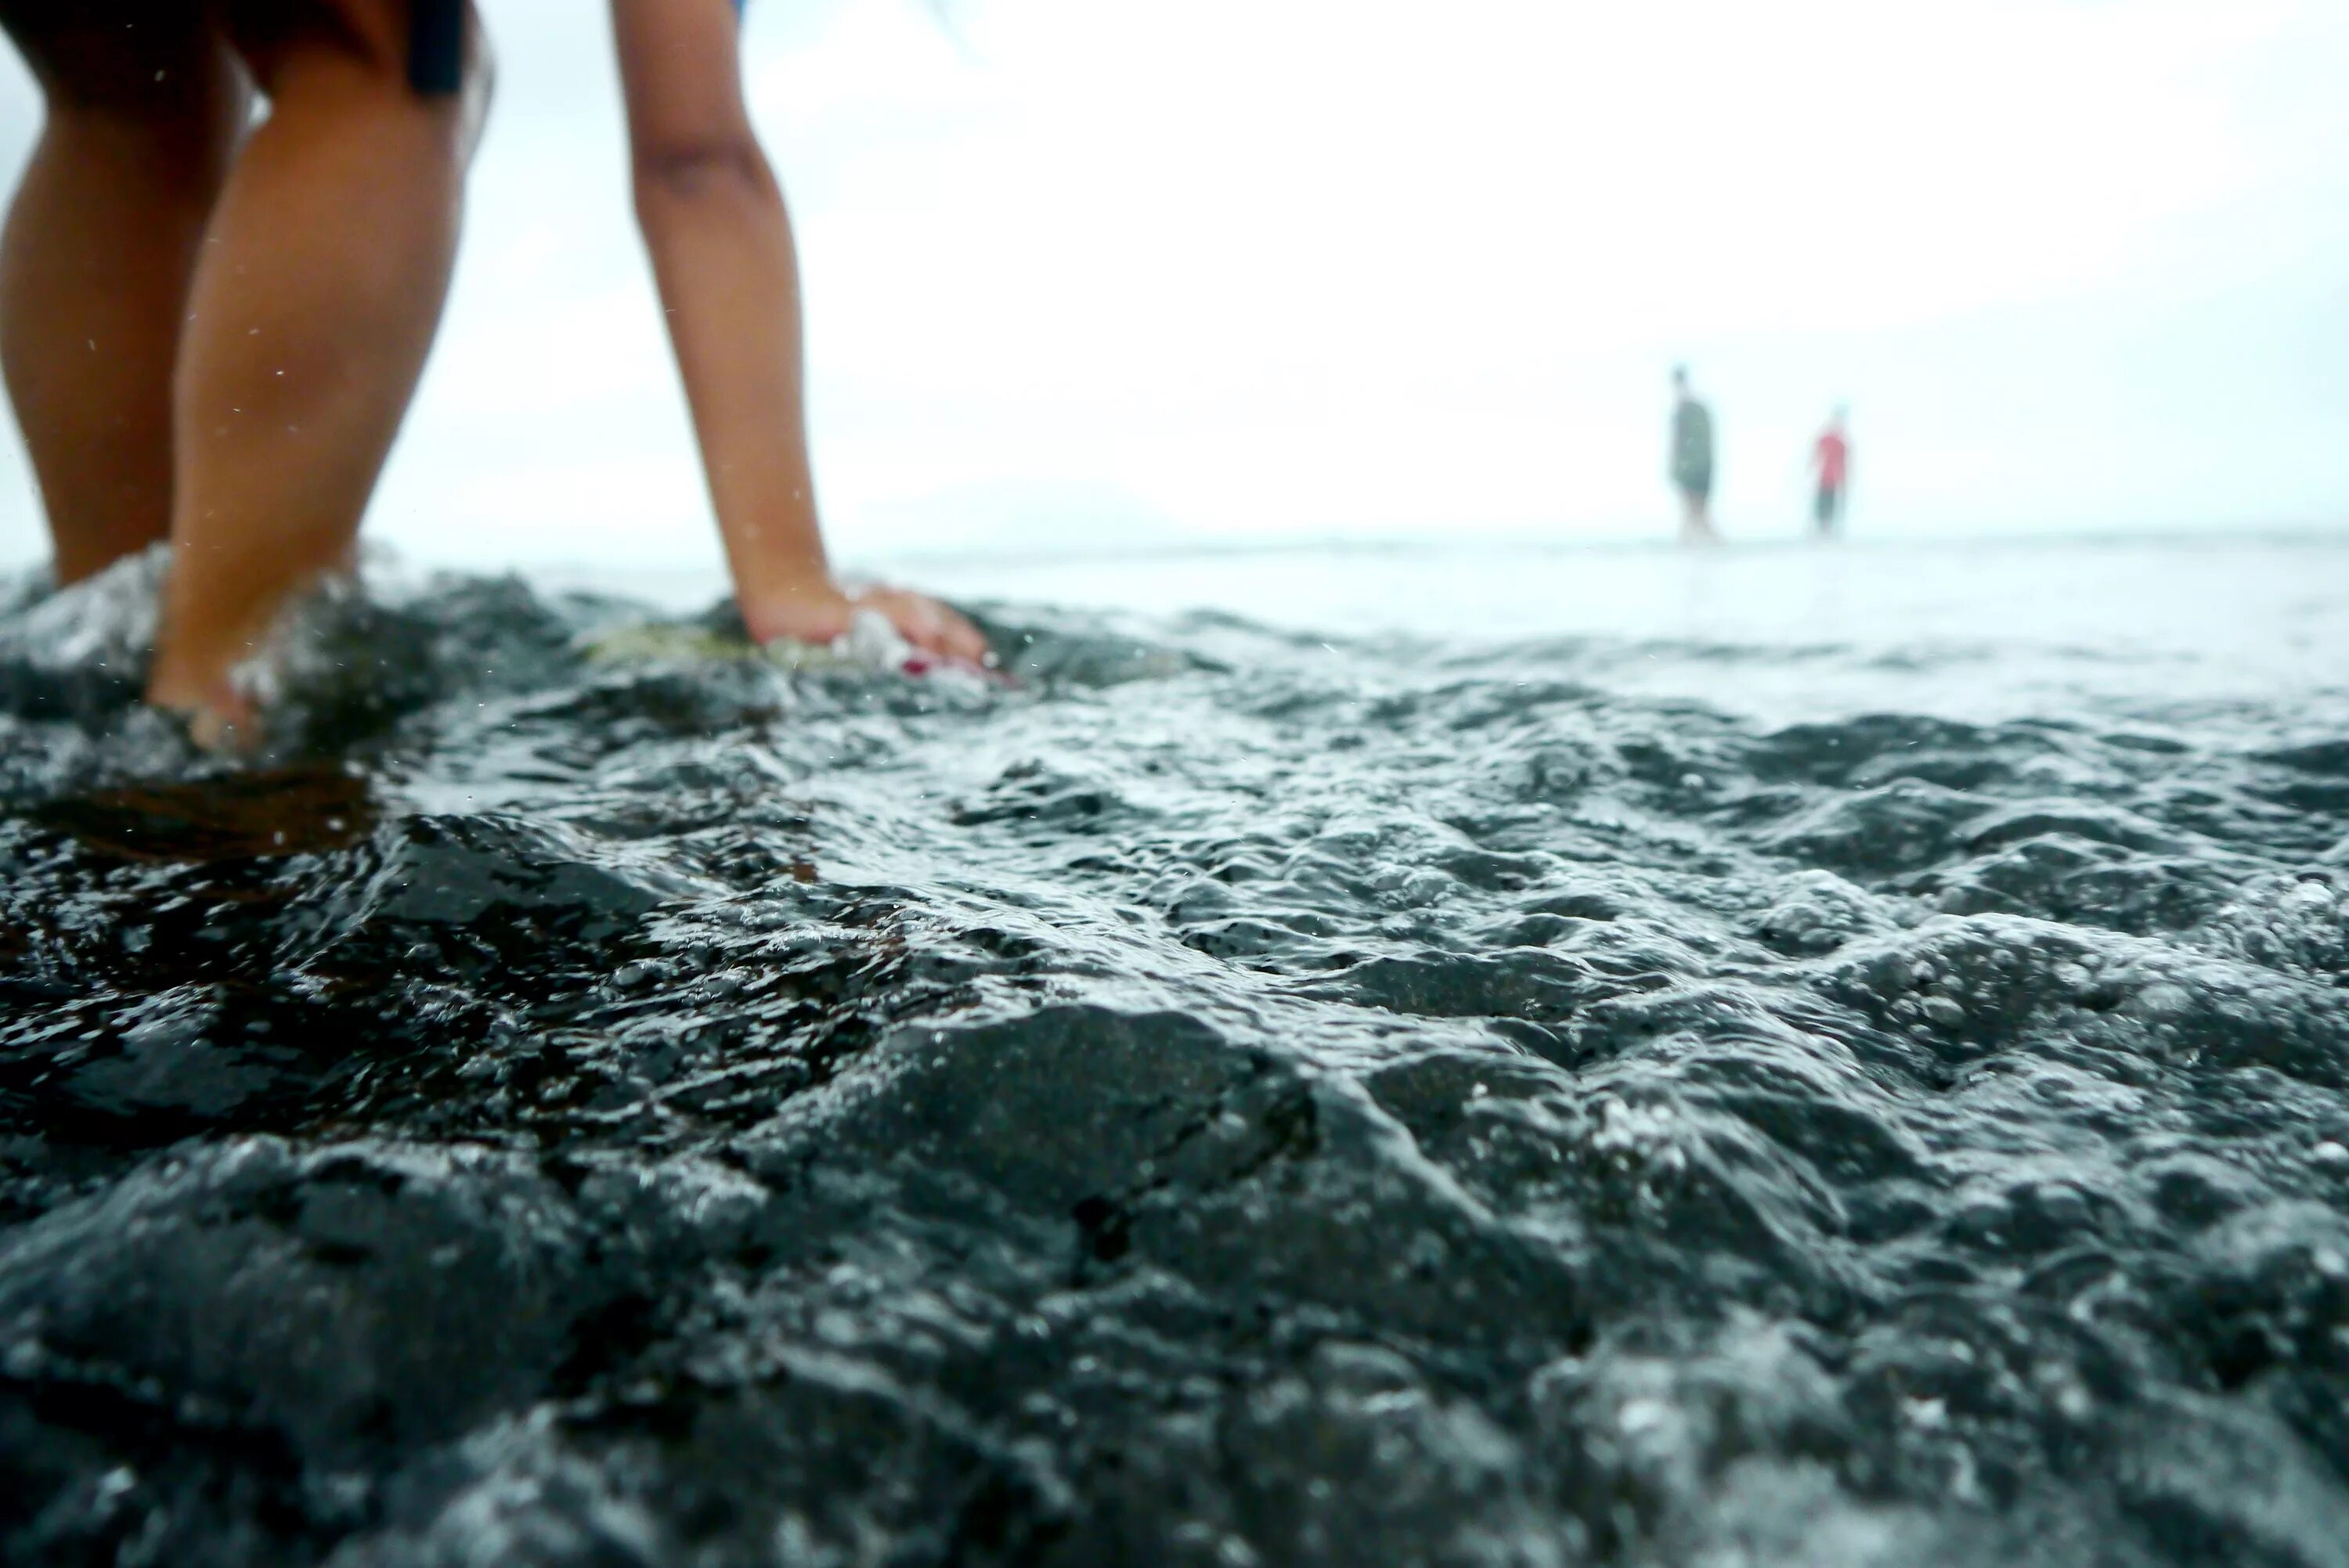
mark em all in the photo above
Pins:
pixel 258 815
pixel 1847 1089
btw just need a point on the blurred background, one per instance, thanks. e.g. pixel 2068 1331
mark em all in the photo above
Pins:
pixel 1092 276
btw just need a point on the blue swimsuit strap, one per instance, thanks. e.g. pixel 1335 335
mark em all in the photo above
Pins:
pixel 436 46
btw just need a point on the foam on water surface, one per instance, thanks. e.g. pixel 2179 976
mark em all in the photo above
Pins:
pixel 1230 1096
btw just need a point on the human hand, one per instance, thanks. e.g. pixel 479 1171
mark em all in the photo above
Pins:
pixel 820 612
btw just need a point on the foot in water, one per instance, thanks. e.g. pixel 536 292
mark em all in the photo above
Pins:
pixel 219 716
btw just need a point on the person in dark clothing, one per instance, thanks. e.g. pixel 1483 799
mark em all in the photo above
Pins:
pixel 1691 461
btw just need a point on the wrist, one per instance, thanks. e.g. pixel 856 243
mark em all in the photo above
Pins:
pixel 807 607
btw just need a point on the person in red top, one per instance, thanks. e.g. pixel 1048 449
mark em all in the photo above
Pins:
pixel 1832 457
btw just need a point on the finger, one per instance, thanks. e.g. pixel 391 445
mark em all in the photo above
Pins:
pixel 920 625
pixel 949 636
pixel 965 640
pixel 959 640
pixel 894 608
pixel 932 627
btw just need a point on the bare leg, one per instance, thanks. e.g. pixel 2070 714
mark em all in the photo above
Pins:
pixel 100 243
pixel 1696 525
pixel 314 306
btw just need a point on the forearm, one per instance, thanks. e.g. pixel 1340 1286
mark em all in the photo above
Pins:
pixel 721 249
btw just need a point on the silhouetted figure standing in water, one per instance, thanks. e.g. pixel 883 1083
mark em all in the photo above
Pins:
pixel 1832 458
pixel 1691 461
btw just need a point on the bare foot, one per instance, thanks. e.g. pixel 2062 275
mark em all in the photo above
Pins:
pixel 221 718
pixel 224 729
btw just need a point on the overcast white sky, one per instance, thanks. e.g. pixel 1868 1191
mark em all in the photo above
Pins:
pixel 1082 272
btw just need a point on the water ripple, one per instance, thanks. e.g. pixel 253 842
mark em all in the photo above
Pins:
pixel 1225 1098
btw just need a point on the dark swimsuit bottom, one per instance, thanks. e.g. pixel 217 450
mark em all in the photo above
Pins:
pixel 436 46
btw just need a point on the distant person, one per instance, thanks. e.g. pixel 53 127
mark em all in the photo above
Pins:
pixel 1832 458
pixel 212 327
pixel 1691 461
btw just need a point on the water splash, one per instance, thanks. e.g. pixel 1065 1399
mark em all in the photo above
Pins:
pixel 1230 1098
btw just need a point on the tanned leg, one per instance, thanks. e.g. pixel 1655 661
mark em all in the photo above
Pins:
pixel 321 284
pixel 1696 521
pixel 144 108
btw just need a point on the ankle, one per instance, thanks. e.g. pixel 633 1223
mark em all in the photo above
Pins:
pixel 219 717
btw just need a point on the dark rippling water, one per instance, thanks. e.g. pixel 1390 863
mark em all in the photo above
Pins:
pixel 1234 1098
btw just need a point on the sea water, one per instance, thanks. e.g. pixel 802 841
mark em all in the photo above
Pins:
pixel 1461 1055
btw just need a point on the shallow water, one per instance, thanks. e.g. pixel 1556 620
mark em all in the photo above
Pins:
pixel 1785 1058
